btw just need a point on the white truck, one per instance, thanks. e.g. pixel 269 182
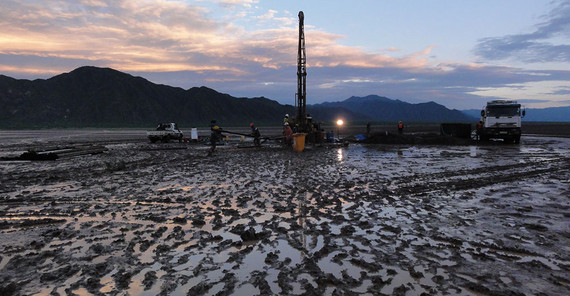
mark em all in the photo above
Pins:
pixel 501 119
pixel 165 132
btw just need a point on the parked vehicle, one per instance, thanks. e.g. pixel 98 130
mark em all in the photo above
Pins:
pixel 502 120
pixel 165 132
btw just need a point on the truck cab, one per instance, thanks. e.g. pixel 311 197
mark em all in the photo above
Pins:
pixel 502 120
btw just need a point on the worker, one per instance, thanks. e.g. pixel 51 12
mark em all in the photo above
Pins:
pixel 479 128
pixel 288 134
pixel 215 134
pixel 400 128
pixel 286 119
pixel 256 135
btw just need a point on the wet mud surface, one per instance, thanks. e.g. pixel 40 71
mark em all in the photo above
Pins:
pixel 149 219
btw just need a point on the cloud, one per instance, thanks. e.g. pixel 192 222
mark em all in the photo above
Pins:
pixel 168 36
pixel 175 43
pixel 538 92
pixel 537 47
pixel 100 30
pixel 247 3
pixel 271 16
pixel 562 90
pixel 531 101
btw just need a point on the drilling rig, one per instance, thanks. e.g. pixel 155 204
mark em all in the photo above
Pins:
pixel 301 95
pixel 303 122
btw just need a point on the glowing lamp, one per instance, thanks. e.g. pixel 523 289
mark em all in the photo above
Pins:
pixel 339 123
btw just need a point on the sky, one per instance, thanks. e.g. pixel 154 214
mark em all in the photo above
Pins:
pixel 460 54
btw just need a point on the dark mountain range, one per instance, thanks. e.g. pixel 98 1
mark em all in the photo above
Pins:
pixel 376 108
pixel 90 96
pixel 103 97
pixel 557 114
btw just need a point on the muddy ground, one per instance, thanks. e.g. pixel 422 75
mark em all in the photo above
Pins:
pixel 148 219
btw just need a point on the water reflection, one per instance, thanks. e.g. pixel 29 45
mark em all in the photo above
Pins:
pixel 302 220
pixel 340 155
pixel 472 151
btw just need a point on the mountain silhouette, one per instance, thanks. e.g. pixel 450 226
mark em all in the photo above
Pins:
pixel 553 114
pixel 376 108
pixel 102 97
pixel 91 96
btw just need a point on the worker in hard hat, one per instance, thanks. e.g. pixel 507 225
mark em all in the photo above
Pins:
pixel 215 134
pixel 287 134
pixel 479 128
pixel 256 135
pixel 286 119
pixel 400 127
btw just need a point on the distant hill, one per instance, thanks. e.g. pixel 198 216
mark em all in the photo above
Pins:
pixel 556 114
pixel 103 97
pixel 559 114
pixel 376 108
pixel 476 113
pixel 90 96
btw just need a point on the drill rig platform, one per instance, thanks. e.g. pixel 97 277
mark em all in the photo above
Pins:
pixel 303 121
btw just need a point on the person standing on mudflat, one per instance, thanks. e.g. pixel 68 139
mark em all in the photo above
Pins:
pixel 288 134
pixel 215 134
pixel 256 135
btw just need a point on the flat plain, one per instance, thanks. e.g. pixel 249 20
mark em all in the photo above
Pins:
pixel 366 219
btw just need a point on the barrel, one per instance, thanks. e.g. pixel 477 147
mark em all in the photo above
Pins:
pixel 299 142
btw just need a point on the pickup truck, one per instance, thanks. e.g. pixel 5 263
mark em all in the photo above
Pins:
pixel 165 132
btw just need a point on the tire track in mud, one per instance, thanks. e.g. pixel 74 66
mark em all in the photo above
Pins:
pixel 319 227
pixel 90 168
pixel 517 238
pixel 481 177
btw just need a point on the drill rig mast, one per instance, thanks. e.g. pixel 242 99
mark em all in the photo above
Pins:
pixel 301 96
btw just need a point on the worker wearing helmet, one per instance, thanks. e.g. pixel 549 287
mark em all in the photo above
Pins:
pixel 400 127
pixel 286 119
pixel 215 134
pixel 256 135
pixel 288 134
pixel 479 129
